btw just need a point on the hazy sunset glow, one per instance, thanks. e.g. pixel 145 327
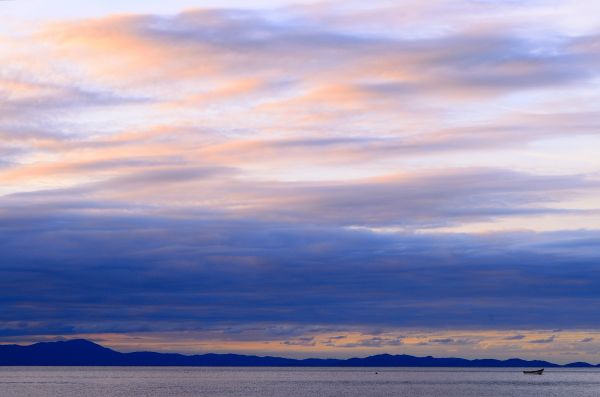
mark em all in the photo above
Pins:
pixel 312 178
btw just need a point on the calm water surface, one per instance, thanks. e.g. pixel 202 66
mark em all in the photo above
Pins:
pixel 292 382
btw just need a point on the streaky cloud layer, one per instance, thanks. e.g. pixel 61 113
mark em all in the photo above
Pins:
pixel 305 178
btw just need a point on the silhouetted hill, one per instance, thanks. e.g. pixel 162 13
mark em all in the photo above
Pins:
pixel 81 352
pixel 73 352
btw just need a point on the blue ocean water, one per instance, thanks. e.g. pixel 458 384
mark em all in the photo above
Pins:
pixel 292 382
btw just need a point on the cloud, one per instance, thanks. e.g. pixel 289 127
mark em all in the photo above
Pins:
pixel 544 340
pixel 450 341
pixel 243 41
pixel 427 202
pixel 373 342
pixel 223 56
pixel 307 341
pixel 127 272
pixel 332 341
pixel 152 74
pixel 289 173
pixel 515 337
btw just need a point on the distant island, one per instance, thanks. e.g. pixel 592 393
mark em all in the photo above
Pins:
pixel 81 352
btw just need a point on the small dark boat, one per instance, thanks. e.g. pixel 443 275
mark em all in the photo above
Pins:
pixel 536 372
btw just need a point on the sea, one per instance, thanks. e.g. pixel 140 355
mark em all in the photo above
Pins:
pixel 293 382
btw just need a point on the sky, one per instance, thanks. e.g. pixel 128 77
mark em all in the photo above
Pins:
pixel 302 179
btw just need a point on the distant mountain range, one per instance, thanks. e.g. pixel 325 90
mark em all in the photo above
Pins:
pixel 81 352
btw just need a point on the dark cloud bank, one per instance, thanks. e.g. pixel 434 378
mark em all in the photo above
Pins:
pixel 82 273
